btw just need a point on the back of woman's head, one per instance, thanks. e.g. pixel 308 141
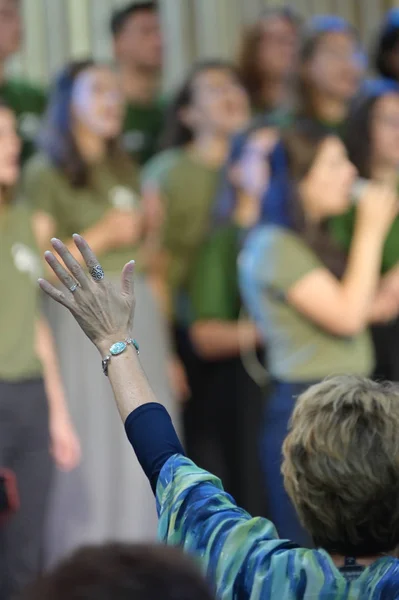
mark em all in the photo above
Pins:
pixel 341 465
pixel 123 572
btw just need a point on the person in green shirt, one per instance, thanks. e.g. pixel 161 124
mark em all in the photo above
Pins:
pixel 312 303
pixel 28 101
pixel 138 50
pixel 372 139
pixel 181 184
pixel 83 181
pixel 34 418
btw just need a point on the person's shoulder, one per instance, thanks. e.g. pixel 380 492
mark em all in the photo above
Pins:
pixel 24 88
pixel 40 168
pixel 271 236
pixel 157 167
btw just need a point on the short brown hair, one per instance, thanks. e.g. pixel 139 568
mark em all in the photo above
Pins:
pixel 341 465
pixel 123 572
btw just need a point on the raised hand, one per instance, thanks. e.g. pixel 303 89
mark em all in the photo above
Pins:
pixel 103 310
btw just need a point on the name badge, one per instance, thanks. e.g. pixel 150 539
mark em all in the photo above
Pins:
pixel 123 198
pixel 26 261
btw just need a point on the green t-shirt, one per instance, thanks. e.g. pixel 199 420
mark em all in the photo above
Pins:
pixel 342 229
pixel 20 267
pixel 28 102
pixel 213 290
pixel 189 189
pixel 142 128
pixel 273 260
pixel 77 209
pixel 158 167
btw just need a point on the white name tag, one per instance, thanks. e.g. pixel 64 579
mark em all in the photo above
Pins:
pixel 26 261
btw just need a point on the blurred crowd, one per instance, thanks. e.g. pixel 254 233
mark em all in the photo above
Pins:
pixel 259 203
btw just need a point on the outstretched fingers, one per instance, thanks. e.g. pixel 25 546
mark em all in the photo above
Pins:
pixel 56 294
pixel 71 263
pixel 128 278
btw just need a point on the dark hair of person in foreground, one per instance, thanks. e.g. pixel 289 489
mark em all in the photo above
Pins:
pixel 123 572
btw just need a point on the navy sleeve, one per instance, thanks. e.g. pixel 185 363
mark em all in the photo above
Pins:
pixel 150 430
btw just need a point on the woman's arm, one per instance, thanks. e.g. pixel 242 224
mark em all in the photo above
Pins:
pixel 64 442
pixel 215 339
pixel 344 307
pixel 194 510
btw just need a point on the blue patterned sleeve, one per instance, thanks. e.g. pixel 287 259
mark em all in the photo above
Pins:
pixel 235 549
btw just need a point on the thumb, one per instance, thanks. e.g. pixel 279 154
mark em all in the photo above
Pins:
pixel 128 278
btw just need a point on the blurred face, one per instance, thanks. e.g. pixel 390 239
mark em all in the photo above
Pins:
pixel 335 68
pixel 277 52
pixel 97 102
pixel 139 44
pixel 220 104
pixel 10 147
pixel 10 28
pixel 326 188
pixel 385 131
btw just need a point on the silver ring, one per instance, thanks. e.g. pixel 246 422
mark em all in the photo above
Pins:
pixel 73 288
pixel 97 273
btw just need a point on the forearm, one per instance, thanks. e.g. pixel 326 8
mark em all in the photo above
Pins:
pixel 128 380
pixel 148 425
pixel 46 351
pixel 216 339
pixel 360 281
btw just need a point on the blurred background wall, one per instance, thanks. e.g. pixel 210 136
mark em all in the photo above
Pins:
pixel 60 29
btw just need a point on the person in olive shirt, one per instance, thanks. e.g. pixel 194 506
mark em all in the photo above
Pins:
pixel 28 101
pixel 83 181
pixel 372 140
pixel 137 38
pixel 33 413
pixel 182 182
pixel 312 304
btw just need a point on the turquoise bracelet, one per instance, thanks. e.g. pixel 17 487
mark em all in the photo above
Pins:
pixel 117 349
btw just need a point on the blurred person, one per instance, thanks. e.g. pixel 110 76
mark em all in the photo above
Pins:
pixel 182 181
pixel 349 505
pixel 84 181
pixel 387 46
pixel 226 423
pixel 27 101
pixel 268 59
pixel 332 66
pixel 372 140
pixel 138 50
pixel 330 71
pixel 312 303
pixel 35 426
pixel 123 572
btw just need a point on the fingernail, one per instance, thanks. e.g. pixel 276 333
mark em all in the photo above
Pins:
pixel 76 235
pixel 132 262
pixel 48 253
pixel 55 241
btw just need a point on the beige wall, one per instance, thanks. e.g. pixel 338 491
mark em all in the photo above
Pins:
pixel 59 29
